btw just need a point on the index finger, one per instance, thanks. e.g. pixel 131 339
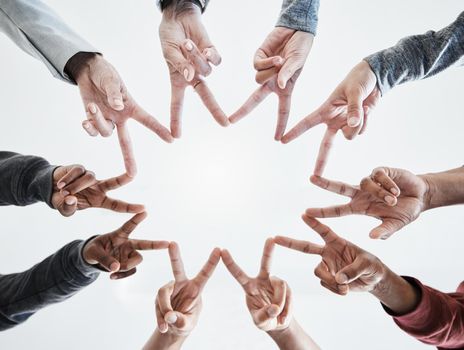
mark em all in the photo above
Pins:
pixel 302 246
pixel 210 102
pixel 266 259
pixel 253 101
pixel 150 122
pixel 334 186
pixel 207 271
pixel 127 151
pixel 176 263
pixel 234 269
pixel 130 225
pixel 324 151
pixel 115 182
pixel 142 244
pixel 304 125
pixel 324 231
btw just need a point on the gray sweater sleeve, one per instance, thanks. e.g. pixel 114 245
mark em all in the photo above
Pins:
pixel 25 180
pixel 299 15
pixel 419 56
pixel 40 32
pixel 51 281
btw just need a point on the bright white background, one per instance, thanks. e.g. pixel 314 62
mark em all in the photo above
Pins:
pixel 231 187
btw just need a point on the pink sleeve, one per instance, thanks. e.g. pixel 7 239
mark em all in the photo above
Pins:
pixel 438 319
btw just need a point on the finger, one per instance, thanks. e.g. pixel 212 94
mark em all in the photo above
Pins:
pixel 334 186
pixel 175 319
pixel 234 269
pixel 162 325
pixel 89 128
pixel 263 62
pixel 279 293
pixel 368 185
pixel 337 289
pixel 104 127
pixel 176 263
pixel 130 225
pixel 304 125
pixel 71 175
pixel 266 259
pixel 382 176
pixel 324 231
pixel 115 182
pixel 324 151
pixel 193 54
pixel 211 104
pixel 352 272
pixel 291 66
pixel 134 258
pixel 69 206
pixel 321 271
pixel 208 269
pixel 120 206
pixel 151 123
pixel 354 108
pixel 265 314
pixel 302 246
pixel 350 133
pixel 386 229
pixel 175 58
pixel 330 212
pixel 124 274
pixel 253 101
pixel 127 150
pixel 141 244
pixel 285 102
pixel 263 76
pixel 85 181
pixel 107 261
pixel 287 307
pixel 366 120
pixel 177 105
pixel 212 55
pixel 163 299
pixel 112 87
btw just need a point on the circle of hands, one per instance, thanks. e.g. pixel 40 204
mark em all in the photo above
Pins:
pixel 394 196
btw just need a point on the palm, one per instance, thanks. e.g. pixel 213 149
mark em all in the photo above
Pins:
pixel 186 299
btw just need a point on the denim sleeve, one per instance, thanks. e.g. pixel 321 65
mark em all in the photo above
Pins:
pixel 40 32
pixel 25 180
pixel 299 15
pixel 51 281
pixel 419 56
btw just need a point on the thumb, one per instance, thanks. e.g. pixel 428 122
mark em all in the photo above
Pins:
pixel 351 272
pixel 69 206
pixel 288 70
pixel 355 109
pixel 386 229
pixel 112 88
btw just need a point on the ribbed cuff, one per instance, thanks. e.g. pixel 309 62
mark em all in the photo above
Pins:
pixel 299 15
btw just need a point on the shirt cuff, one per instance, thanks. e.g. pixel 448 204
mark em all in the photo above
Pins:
pixel 301 15
pixel 43 182
pixel 84 268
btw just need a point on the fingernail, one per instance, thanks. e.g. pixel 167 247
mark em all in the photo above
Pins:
pixel 353 121
pixel 163 328
pixel 277 60
pixel 189 46
pixel 172 318
pixel 342 278
pixel 113 277
pixel 394 191
pixel 272 311
pixel 390 200
pixel 186 74
pixel 65 193
pixel 118 102
pixel 208 53
pixel 92 108
pixel 86 125
pixel 281 84
pixel 114 267
pixel 70 201
pixel 60 185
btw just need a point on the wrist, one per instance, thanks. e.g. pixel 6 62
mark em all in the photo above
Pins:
pixel 429 201
pixel 289 332
pixel 165 341
pixel 79 63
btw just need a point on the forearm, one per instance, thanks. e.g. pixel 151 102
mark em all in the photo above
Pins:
pixel 166 341
pixel 25 180
pixel 53 280
pixel 419 56
pixel 445 188
pixel 40 32
pixel 299 15
pixel 293 338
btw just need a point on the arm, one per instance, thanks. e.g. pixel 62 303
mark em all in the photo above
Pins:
pixel 419 56
pixel 445 188
pixel 40 32
pixel 25 180
pixel 299 15
pixel 54 280
pixel 293 338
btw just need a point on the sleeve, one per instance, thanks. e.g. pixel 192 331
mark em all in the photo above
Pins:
pixel 419 56
pixel 40 32
pixel 53 280
pixel 25 180
pixel 299 15
pixel 203 4
pixel 438 319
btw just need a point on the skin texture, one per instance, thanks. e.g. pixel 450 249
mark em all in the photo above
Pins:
pixel 395 196
pixel 278 63
pixel 75 188
pixel 346 268
pixel 179 303
pixel 116 252
pixel 189 54
pixel 108 104
pixel 347 109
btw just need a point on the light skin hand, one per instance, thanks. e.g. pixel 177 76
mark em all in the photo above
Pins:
pixel 347 109
pixel 75 188
pixel 346 268
pixel 189 54
pixel 395 196
pixel 278 63
pixel 108 104
pixel 179 303
pixel 117 253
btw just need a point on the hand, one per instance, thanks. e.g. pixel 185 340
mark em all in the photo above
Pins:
pixel 188 52
pixel 108 104
pixel 346 109
pixel 394 196
pixel 116 252
pixel 278 62
pixel 178 304
pixel 344 267
pixel 75 188
pixel 268 299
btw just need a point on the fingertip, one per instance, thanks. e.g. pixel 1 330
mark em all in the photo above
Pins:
pixel 341 278
pixel 117 104
pixel 354 121
pixel 114 267
pixel 163 328
pixel 70 200
pixel 92 107
pixel 170 317
pixel 395 191
pixel 60 185
pixel 272 311
pixel 390 200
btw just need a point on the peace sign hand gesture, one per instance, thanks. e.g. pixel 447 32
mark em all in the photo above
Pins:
pixel 178 304
pixel 75 188
pixel 268 299
pixel 116 252
pixel 394 196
